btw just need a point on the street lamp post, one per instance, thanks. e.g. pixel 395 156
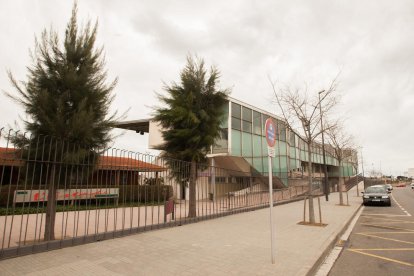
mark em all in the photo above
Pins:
pixel 326 188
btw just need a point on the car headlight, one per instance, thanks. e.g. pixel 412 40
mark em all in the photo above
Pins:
pixel 366 196
pixel 385 196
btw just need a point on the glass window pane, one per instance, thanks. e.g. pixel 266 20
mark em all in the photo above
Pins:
pixel 247 149
pixel 235 123
pixel 264 118
pixel 235 110
pixel 257 145
pixel 224 120
pixel 281 131
pixel 281 147
pixel 283 164
pixel 292 152
pixel 292 138
pixel 247 114
pixel 257 123
pixel 247 126
pixel 221 144
pixel 235 142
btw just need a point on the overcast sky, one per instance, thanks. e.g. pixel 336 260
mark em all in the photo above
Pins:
pixel 294 42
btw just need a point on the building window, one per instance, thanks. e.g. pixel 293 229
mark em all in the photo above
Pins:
pixel 235 110
pixel 257 123
pixel 235 123
pixel 281 131
pixel 221 144
pixel 246 119
pixel 257 145
pixel 235 116
pixel 247 114
pixel 246 126
pixel 292 138
pixel 236 142
pixel 247 150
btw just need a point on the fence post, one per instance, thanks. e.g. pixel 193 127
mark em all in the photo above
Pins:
pixel 304 209
pixel 320 211
pixel 347 200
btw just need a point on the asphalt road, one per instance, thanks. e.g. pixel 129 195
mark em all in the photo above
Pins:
pixel 382 241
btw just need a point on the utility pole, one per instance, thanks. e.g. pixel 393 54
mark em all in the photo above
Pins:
pixel 325 184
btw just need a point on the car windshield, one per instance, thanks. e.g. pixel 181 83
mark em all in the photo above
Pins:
pixel 375 190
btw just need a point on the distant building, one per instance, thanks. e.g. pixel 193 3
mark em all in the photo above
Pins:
pixel 410 173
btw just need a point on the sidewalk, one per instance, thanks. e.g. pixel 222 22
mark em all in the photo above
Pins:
pixel 232 245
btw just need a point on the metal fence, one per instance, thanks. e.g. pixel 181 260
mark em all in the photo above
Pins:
pixel 55 194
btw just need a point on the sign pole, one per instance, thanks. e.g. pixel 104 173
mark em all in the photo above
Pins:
pixel 272 232
pixel 270 130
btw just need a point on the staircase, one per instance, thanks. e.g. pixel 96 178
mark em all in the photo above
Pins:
pixel 353 181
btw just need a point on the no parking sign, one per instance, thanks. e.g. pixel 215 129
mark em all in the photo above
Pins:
pixel 270 130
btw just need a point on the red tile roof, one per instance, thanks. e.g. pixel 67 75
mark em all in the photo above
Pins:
pixel 124 163
pixel 10 157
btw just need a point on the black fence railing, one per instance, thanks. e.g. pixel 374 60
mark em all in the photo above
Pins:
pixel 55 194
pixel 353 181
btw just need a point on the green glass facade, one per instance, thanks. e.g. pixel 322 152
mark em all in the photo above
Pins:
pixel 246 138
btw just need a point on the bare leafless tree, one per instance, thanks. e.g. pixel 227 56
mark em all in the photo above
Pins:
pixel 343 148
pixel 302 114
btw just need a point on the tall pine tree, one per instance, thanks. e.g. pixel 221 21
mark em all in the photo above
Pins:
pixel 67 100
pixel 190 121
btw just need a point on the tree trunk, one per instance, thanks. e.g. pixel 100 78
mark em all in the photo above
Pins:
pixel 340 188
pixel 51 207
pixel 192 210
pixel 340 185
pixel 311 210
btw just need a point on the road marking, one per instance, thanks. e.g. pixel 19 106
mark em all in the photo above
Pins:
pixel 399 205
pixel 387 215
pixel 410 232
pixel 380 257
pixel 379 221
pixel 394 220
pixel 384 238
pixel 351 226
pixel 327 264
pixel 388 227
pixel 398 221
pixel 382 249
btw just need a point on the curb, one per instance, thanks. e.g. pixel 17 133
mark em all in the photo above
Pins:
pixel 312 271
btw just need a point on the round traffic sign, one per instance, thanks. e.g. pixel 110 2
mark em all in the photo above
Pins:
pixel 270 130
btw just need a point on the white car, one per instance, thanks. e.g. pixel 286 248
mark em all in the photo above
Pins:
pixel 412 185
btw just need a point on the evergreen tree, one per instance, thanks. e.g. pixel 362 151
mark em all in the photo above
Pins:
pixel 190 121
pixel 67 101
